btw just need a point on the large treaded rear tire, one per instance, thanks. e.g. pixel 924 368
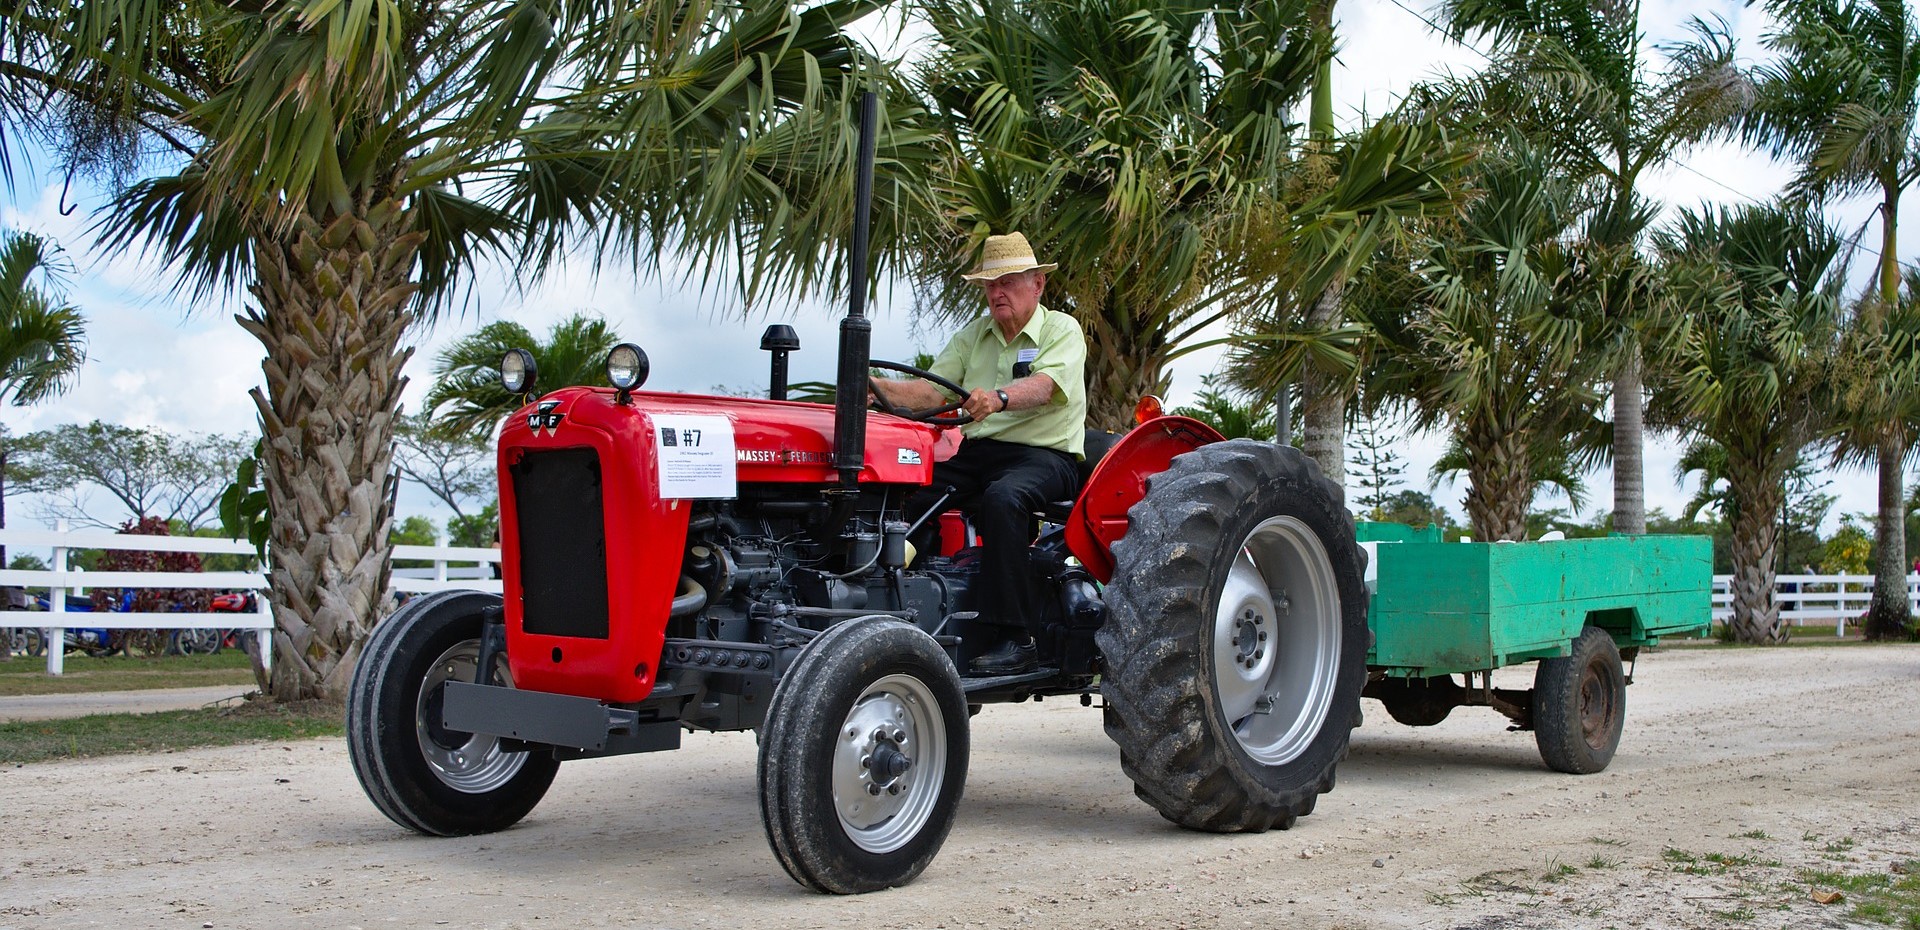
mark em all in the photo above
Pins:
pixel 421 775
pixel 1236 641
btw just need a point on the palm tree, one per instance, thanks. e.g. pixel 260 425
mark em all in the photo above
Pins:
pixel 467 399
pixel 1747 363
pixel 1880 396
pixel 1146 144
pixel 1709 458
pixel 1574 76
pixel 1091 126
pixel 43 340
pixel 349 163
pixel 1492 334
pixel 1842 100
pixel 1555 462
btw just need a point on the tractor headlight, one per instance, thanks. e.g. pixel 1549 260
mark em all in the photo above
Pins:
pixel 626 367
pixel 517 371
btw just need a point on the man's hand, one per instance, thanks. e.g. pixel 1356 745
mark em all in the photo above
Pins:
pixel 981 404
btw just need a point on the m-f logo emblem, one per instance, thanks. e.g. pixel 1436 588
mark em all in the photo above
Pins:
pixel 547 420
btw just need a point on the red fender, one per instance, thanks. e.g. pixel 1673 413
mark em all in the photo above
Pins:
pixel 1120 480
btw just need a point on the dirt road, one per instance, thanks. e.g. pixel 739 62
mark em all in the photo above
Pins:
pixel 1739 769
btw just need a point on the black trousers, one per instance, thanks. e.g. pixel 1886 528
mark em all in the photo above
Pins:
pixel 999 485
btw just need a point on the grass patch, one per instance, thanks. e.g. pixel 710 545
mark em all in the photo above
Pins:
pixel 1890 898
pixel 1601 862
pixel 20 675
pixel 1605 841
pixel 1557 871
pixel 114 734
pixel 1752 835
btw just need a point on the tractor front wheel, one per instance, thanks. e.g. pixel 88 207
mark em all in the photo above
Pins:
pixel 1236 642
pixel 863 757
pixel 420 774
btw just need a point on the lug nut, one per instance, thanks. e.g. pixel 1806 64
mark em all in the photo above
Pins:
pixel 866 762
pixel 893 789
pixel 873 790
pixel 899 736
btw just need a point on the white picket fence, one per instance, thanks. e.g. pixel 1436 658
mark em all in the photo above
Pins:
pixel 1818 598
pixel 453 567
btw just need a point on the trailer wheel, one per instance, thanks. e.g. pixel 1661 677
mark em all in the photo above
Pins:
pixel 1236 642
pixel 1580 705
pixel 863 757
pixel 420 774
pixel 1419 702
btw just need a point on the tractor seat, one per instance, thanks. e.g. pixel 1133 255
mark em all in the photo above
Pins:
pixel 1098 444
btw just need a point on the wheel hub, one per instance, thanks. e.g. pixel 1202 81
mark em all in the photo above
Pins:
pixel 1276 640
pixel 888 762
pixel 465 762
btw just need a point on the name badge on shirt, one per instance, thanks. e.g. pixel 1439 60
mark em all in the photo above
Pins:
pixel 1023 364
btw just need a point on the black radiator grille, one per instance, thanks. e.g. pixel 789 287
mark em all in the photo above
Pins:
pixel 563 543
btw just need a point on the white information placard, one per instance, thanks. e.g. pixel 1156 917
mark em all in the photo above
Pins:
pixel 695 452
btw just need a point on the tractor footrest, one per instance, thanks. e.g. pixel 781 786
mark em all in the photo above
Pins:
pixel 561 720
pixel 1002 681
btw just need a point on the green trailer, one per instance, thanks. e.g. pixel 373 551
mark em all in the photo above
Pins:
pixel 1445 615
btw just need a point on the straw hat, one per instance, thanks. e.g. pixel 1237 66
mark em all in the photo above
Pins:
pixel 1005 255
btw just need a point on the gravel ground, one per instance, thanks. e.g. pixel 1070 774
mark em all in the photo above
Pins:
pixel 1771 761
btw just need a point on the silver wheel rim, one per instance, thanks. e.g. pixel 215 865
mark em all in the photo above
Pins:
pixel 466 762
pixel 1276 641
pixel 889 763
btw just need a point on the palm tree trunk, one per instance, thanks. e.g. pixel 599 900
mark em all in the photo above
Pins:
pixel 1889 614
pixel 1323 398
pixel 1120 369
pixel 333 303
pixel 1629 441
pixel 1501 487
pixel 1757 493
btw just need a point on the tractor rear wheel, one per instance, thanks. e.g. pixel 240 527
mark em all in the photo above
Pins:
pixel 420 774
pixel 863 757
pixel 1236 642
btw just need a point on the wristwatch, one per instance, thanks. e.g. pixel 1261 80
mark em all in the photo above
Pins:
pixel 1003 399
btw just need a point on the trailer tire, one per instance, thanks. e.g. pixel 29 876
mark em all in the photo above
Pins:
pixel 1580 705
pixel 1236 642
pixel 422 776
pixel 870 695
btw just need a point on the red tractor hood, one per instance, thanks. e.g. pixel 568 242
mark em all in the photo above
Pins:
pixel 647 457
pixel 772 440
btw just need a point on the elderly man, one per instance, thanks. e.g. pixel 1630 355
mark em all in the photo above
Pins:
pixel 1023 366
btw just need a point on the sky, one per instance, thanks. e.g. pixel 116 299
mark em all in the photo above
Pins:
pixel 160 359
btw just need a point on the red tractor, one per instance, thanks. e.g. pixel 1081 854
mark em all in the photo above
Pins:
pixel 677 563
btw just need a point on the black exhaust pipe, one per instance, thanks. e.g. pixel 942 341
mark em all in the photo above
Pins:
pixel 856 332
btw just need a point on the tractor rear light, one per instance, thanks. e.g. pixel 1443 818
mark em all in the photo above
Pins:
pixel 1147 409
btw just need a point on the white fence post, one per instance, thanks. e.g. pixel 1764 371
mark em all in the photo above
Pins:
pixel 263 637
pixel 1840 611
pixel 56 638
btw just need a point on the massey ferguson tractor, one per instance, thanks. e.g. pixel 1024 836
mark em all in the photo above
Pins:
pixel 678 563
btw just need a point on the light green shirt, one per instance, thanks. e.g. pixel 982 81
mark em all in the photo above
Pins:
pixel 1051 344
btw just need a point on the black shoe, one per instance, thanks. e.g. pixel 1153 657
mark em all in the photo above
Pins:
pixel 1010 658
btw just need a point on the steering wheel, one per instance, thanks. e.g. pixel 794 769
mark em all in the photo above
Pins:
pixel 945 415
